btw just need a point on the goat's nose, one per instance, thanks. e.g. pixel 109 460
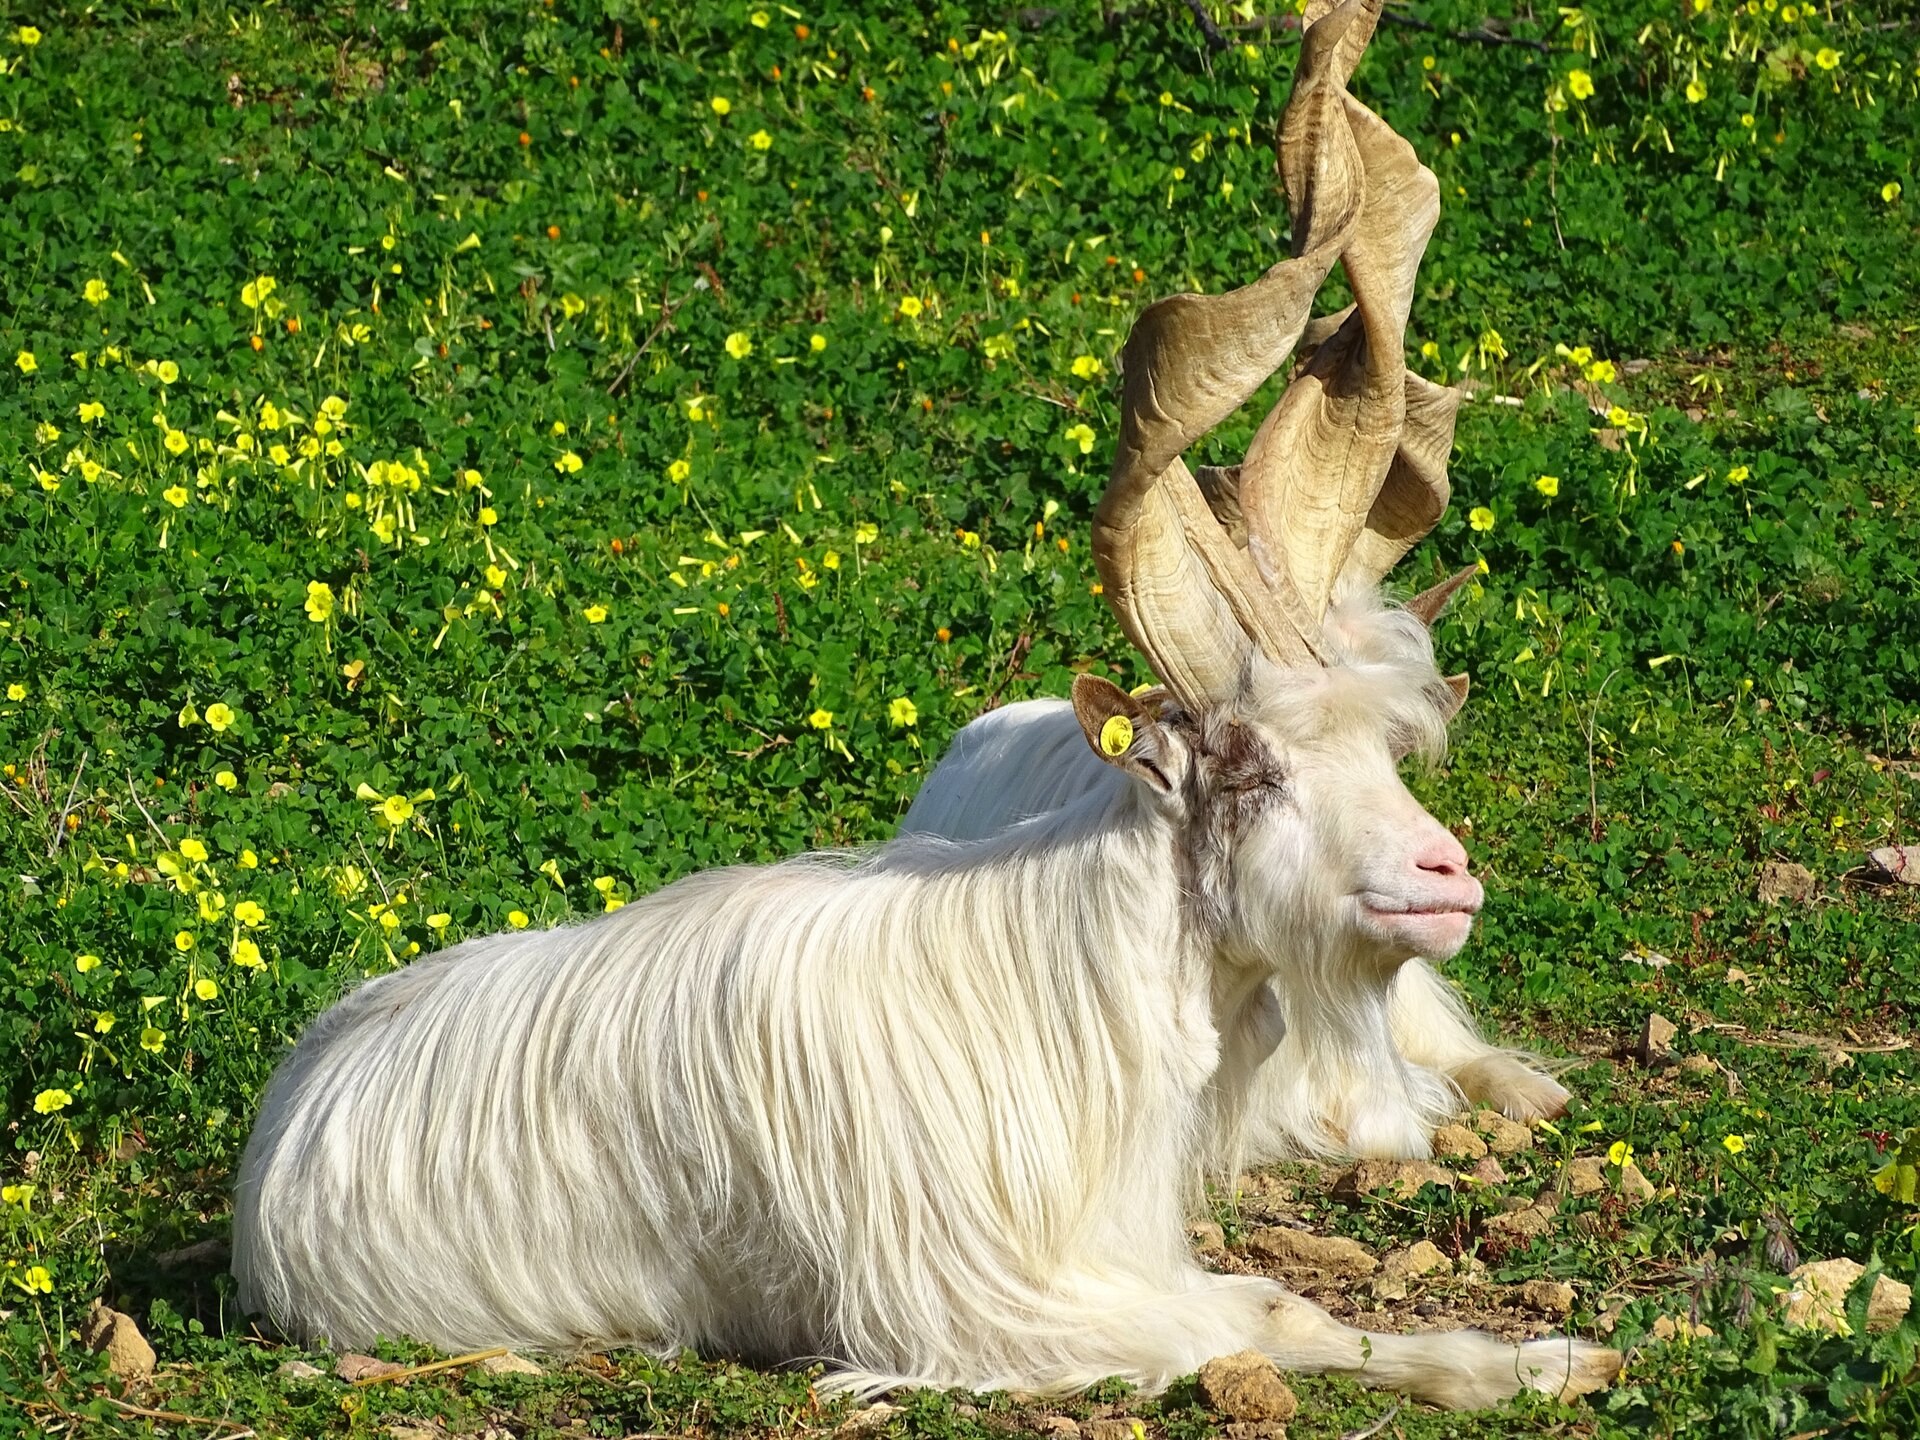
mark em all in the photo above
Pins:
pixel 1443 856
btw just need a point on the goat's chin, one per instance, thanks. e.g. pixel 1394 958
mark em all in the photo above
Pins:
pixel 1404 934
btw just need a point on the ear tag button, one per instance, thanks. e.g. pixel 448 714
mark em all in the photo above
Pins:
pixel 1116 735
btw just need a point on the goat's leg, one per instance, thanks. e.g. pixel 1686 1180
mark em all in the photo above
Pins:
pixel 1433 1029
pixel 1458 1369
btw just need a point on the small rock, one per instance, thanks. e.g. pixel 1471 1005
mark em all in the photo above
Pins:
pixel 1665 1327
pixel 413 1432
pixel 1549 1297
pixel 1487 1171
pixel 1504 1136
pixel 1608 1320
pixel 1700 1065
pixel 1656 1040
pixel 1121 1429
pixel 1894 864
pixel 874 1417
pixel 510 1364
pixel 364 1367
pixel 1256 1430
pixel 1064 1426
pixel 299 1370
pixel 1518 1225
pixel 1207 1237
pixel 1401 1179
pixel 1387 1287
pixel 1246 1386
pixel 1819 1296
pixel 1634 1185
pixel 1298 1250
pixel 1423 1257
pixel 1652 959
pixel 1587 1175
pixel 1785 880
pixel 129 1356
pixel 1456 1142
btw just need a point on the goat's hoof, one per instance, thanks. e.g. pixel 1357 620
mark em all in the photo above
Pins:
pixel 1516 1090
pixel 1569 1368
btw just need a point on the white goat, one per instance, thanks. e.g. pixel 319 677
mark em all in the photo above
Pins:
pixel 931 1115
pixel 1359 1061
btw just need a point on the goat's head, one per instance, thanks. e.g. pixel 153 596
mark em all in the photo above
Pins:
pixel 1291 691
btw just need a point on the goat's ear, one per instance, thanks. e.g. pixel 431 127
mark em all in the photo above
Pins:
pixel 1458 685
pixel 1123 731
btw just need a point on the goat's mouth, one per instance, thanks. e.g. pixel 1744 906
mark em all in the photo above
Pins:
pixel 1435 926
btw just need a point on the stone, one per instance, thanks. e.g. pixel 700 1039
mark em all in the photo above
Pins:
pixel 403 1431
pixel 1700 1065
pixel 299 1370
pixel 1520 1225
pixel 1549 1297
pixel 1818 1298
pixel 1587 1175
pixel 352 1368
pixel 1423 1257
pixel 1504 1136
pixel 1064 1426
pixel 1894 864
pixel 1656 1040
pixel 1124 1428
pixel 1665 1327
pixel 1387 1287
pixel 1456 1142
pixel 1634 1185
pixel 874 1417
pixel 1400 1179
pixel 510 1364
pixel 1207 1237
pixel 1246 1386
pixel 1785 880
pixel 1256 1430
pixel 129 1357
pixel 1487 1171
pixel 1298 1250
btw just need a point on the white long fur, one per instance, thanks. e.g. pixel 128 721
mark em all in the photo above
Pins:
pixel 1355 1063
pixel 925 1114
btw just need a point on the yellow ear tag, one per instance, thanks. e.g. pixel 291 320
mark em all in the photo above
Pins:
pixel 1116 735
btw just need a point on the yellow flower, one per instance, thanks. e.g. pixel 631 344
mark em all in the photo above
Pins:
pixel 396 809
pixel 1082 435
pixel 219 716
pixel 246 954
pixel 16 1194
pixel 678 472
pixel 1826 57
pixel 103 1022
pixel 1601 372
pixel 91 410
pixel 176 496
pixel 1734 1143
pixel 249 913
pixel 496 577
pixel 167 371
pixel 319 600
pixel 1619 1153
pixel 225 779
pixel 34 1279
pixel 817 343
pixel 738 345
pixel 489 515
pixel 865 533
pixel 759 20
pixel 254 293
pixel 194 851
pixel 84 963
pixel 48 1101
pixel 27 35
pixel 183 940
pixel 760 140
pixel 1548 485
pixel 1618 416
pixel 206 989
pixel 821 719
pixel 1738 474
pixel 595 614
pixel 568 463
pixel 16 691
pixel 249 860
pixel 439 920
pixel 1086 367
pixel 570 306
pixel 517 919
pixel 721 105
pixel 1890 191
pixel 26 362
pixel 1696 91
pixel 910 306
pixel 969 539
pixel 903 713
pixel 1580 84
pixel 96 292
pixel 152 1040
pixel 1480 518
pixel 189 715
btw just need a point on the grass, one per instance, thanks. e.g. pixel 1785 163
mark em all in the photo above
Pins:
pixel 497 323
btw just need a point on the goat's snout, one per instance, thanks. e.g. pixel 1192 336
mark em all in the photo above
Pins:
pixel 1443 857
